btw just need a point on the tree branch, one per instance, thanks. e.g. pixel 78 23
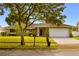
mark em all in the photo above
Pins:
pixel 28 18
pixel 26 10
pixel 19 22
pixel 23 6
pixel 31 23
pixel 17 7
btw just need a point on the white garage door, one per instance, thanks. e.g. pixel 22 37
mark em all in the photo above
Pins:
pixel 58 32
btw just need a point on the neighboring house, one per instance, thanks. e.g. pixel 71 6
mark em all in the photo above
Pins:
pixel 10 31
pixel 76 32
pixel 2 29
pixel 51 30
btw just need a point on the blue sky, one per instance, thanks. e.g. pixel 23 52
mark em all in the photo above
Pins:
pixel 71 11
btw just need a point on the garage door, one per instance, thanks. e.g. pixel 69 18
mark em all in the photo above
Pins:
pixel 58 32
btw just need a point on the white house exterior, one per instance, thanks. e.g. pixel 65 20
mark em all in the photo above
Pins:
pixel 54 31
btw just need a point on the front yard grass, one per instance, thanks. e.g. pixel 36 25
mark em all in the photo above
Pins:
pixel 14 42
pixel 76 37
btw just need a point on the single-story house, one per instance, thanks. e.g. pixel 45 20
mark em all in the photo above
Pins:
pixel 2 29
pixel 45 29
pixel 51 30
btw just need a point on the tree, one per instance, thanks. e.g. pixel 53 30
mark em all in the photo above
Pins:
pixel 10 20
pixel 29 13
pixel 1 9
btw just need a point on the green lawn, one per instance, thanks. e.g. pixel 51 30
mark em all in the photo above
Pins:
pixel 14 42
pixel 76 37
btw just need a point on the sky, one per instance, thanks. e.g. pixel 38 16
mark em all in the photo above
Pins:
pixel 71 11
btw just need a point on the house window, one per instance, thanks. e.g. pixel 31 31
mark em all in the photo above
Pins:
pixel 12 30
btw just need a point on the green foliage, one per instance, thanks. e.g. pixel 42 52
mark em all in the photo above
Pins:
pixel 3 33
pixel 9 20
pixel 29 13
pixel 70 34
pixel 17 29
pixel 76 37
pixel 31 32
pixel 1 9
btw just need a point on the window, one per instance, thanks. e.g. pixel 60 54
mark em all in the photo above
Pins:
pixel 12 30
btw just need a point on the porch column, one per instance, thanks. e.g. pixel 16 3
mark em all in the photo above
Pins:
pixel 37 31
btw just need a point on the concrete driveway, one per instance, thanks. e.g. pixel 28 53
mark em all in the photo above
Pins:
pixel 66 40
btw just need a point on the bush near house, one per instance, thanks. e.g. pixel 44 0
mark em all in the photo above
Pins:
pixel 3 34
pixel 30 33
pixel 70 34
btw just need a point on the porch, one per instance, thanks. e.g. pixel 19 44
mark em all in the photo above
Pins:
pixel 42 31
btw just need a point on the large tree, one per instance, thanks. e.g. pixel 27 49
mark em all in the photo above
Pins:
pixel 29 13
pixel 1 9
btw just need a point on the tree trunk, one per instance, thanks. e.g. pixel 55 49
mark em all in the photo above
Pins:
pixel 48 42
pixel 34 41
pixel 22 39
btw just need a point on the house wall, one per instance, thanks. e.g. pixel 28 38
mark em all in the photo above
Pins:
pixel 1 30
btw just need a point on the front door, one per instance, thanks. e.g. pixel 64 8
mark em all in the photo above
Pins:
pixel 41 32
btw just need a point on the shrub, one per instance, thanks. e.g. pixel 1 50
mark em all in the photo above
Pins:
pixel 70 34
pixel 30 34
pixel 3 33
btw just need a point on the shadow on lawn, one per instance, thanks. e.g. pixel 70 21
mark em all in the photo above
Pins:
pixel 28 45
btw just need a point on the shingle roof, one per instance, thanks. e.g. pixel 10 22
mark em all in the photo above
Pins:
pixel 46 25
